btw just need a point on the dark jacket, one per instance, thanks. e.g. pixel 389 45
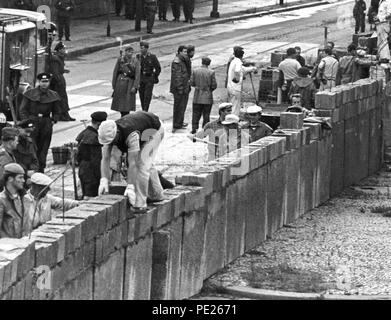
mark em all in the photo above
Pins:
pixel 24 5
pixel 26 153
pixel 179 76
pixel 359 9
pixel 301 60
pixel 204 81
pixel 61 6
pixel 58 83
pixel 257 130
pixel 307 90
pixel 149 67
pixel 14 223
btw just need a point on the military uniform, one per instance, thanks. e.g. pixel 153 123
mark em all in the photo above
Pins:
pixel 176 9
pixel 118 7
pixel 64 17
pixel 188 9
pixel 163 4
pixel 150 7
pixel 42 108
pixel 150 71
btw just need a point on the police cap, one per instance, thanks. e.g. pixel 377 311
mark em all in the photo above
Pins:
pixel 13 168
pixel 59 46
pixel 44 76
pixel 9 133
pixel 144 44
pixel 99 116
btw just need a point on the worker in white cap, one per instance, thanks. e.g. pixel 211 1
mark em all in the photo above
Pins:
pixel 14 222
pixel 39 204
pixel 256 128
pixel 213 130
pixel 234 137
pixel 138 135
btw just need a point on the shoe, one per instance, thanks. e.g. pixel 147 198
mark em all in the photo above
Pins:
pixel 165 19
pixel 67 39
pixel 191 21
pixel 184 125
pixel 173 130
pixel 193 131
pixel 150 32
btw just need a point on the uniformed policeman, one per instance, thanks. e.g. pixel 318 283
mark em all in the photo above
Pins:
pixel 163 5
pixel 188 9
pixel 150 7
pixel 89 156
pixel 42 106
pixel 150 71
pixel 64 13
pixel 257 128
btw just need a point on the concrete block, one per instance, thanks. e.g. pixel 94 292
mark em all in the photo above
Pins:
pixel 108 277
pixel 178 200
pixel 89 226
pixel 67 231
pixel 308 162
pixel 79 288
pixel 346 95
pixel 351 151
pixel 165 212
pixel 204 180
pixel 291 120
pixel 192 252
pixel 118 208
pixel 265 150
pixel 76 228
pixel 18 290
pixel 46 250
pixel 351 110
pixel 277 146
pixel 101 217
pixel 145 223
pixel 326 100
pixel 305 136
pixel 194 199
pixel 292 183
pixel 375 142
pixel 337 158
pixel 323 171
pixel 363 146
pixel 235 231
pixel 256 213
pixel 112 240
pixel 137 284
pixel 214 241
pixel 315 130
pixel 275 195
pixel 58 238
pixel 6 274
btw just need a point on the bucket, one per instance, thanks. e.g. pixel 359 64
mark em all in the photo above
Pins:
pixel 60 155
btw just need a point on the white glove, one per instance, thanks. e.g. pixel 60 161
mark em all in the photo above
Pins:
pixel 103 186
pixel 3 118
pixel 131 194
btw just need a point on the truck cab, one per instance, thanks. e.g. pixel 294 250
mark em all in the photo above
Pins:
pixel 24 43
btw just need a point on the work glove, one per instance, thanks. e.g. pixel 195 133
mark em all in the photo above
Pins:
pixel 103 186
pixel 130 194
pixel 3 118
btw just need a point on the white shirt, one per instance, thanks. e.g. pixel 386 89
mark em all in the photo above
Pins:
pixel 384 10
pixel 289 68
pixel 236 66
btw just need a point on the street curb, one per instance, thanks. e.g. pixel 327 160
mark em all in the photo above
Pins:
pixel 258 12
pixel 263 294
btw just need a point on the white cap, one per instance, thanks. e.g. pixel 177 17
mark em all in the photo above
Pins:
pixel 224 105
pixel 231 118
pixel 254 109
pixel 107 132
pixel 41 179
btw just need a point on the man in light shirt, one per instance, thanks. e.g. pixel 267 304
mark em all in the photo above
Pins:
pixel 328 70
pixel 383 30
pixel 236 72
pixel 288 67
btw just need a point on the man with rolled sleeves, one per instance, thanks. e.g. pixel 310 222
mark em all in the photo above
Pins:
pixel 150 71
pixel 42 106
pixel 150 7
pixel 89 156
pixel 14 221
pixel 138 135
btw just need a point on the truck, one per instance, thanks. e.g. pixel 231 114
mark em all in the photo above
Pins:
pixel 25 47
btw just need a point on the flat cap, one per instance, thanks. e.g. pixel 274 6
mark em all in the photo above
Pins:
pixel 230 119
pixel 99 116
pixel 144 44
pixel 44 76
pixel 254 109
pixel 225 105
pixel 41 179
pixel 13 168
pixel 107 132
pixel 9 133
pixel 59 46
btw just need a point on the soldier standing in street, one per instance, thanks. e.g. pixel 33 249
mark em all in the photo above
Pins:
pixel 150 8
pixel 42 107
pixel 163 5
pixel 64 12
pixel 118 7
pixel 126 79
pixel 180 87
pixel 89 156
pixel 176 9
pixel 204 81
pixel 150 71
pixel 188 9
pixel 130 9
pixel 58 83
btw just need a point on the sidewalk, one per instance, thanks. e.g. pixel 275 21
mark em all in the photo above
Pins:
pixel 89 35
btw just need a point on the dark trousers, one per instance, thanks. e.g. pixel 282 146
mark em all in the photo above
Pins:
pixel 118 7
pixel 176 8
pixel 150 12
pixel 360 23
pixel 198 111
pixel 42 136
pixel 180 104
pixel 64 25
pixel 130 9
pixel 284 93
pixel 188 9
pixel 145 92
pixel 163 4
